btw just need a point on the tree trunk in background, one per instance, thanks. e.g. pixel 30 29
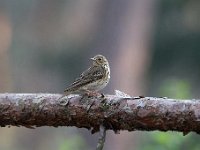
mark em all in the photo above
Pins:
pixel 127 40
pixel 5 72
pixel 5 40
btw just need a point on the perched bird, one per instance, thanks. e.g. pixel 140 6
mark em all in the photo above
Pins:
pixel 93 79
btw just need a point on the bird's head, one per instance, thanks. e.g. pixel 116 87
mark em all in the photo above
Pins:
pixel 99 60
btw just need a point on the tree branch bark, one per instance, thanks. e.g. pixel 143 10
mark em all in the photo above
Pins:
pixel 114 112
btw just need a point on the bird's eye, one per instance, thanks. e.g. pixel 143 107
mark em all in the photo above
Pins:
pixel 99 59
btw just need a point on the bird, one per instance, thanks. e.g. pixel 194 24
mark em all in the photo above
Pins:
pixel 92 80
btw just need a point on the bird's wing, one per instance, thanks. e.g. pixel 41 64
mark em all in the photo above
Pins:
pixel 92 74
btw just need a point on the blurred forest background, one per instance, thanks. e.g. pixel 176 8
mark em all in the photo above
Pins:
pixel 153 47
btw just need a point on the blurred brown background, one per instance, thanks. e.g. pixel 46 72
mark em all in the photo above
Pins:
pixel 152 46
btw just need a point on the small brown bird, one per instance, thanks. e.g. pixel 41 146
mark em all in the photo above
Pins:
pixel 93 79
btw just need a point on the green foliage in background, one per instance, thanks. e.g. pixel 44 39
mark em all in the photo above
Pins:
pixel 168 141
pixel 73 143
pixel 174 71
pixel 177 89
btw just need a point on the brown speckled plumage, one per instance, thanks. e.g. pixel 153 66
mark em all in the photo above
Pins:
pixel 93 79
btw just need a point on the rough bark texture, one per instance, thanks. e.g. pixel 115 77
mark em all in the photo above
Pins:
pixel 115 112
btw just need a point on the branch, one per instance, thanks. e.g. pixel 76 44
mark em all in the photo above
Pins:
pixel 102 138
pixel 114 112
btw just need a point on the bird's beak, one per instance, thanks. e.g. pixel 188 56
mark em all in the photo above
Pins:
pixel 92 58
